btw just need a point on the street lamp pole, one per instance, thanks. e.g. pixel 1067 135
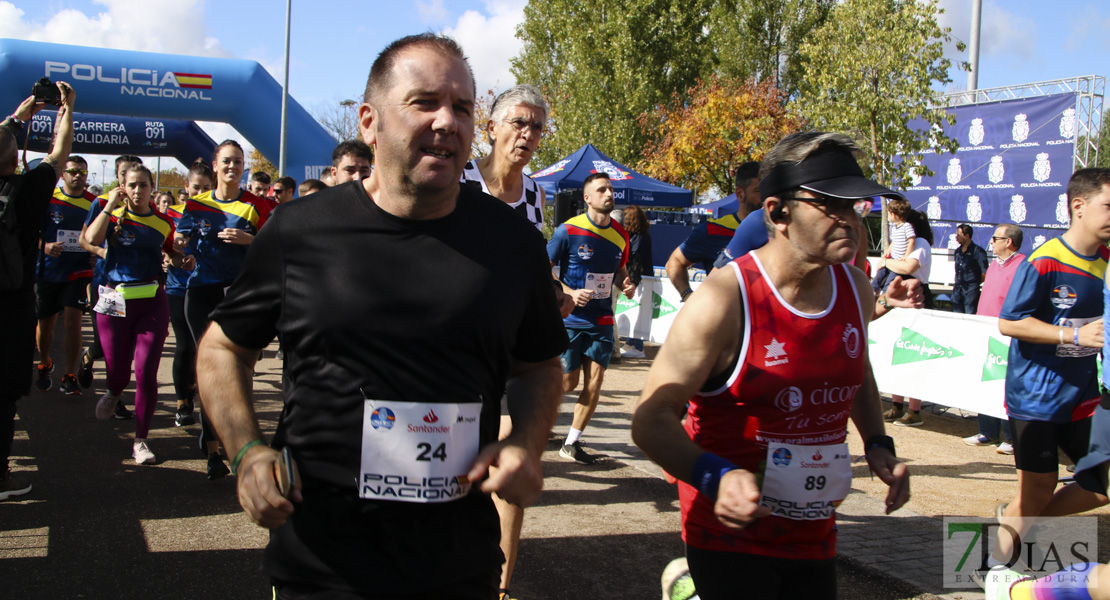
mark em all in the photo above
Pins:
pixel 103 166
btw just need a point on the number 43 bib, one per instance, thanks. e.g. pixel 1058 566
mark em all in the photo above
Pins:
pixel 806 483
pixel 417 451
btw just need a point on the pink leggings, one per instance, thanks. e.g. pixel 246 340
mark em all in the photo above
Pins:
pixel 141 334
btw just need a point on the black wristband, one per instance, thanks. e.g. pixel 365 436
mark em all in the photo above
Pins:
pixel 687 293
pixel 879 441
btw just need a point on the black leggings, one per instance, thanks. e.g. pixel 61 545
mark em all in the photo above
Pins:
pixel 185 350
pixel 199 304
pixel 739 576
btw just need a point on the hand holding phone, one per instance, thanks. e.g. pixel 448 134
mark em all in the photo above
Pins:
pixel 286 473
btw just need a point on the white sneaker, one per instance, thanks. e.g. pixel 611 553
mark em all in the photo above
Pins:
pixel 1005 448
pixel 106 406
pixel 632 353
pixel 141 453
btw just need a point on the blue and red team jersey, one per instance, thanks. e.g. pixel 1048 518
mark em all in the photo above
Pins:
pixel 176 279
pixel 64 218
pixel 794 382
pixel 707 240
pixel 94 211
pixel 1050 382
pixel 135 245
pixel 204 217
pixel 583 250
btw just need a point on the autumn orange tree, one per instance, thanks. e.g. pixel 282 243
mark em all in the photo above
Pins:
pixel 722 123
pixel 256 161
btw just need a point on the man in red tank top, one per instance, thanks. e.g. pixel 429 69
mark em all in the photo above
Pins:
pixel 771 357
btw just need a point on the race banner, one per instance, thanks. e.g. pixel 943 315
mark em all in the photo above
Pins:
pixel 1012 166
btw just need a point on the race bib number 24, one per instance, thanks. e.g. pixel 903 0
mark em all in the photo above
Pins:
pixel 417 451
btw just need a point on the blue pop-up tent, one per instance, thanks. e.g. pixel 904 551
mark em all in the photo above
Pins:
pixel 629 187
pixel 718 208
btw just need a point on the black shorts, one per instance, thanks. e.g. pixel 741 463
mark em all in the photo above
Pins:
pixel 482 587
pixel 52 296
pixel 1036 443
pixel 718 576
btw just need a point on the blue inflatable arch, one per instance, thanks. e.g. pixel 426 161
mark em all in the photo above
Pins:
pixel 166 86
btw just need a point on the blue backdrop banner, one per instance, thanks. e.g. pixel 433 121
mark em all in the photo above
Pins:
pixel 1012 166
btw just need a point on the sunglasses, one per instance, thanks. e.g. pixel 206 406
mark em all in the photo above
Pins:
pixel 519 125
pixel 278 190
pixel 77 171
pixel 860 206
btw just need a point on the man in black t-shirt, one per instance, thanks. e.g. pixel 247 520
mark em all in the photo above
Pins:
pixel 407 306
pixel 30 197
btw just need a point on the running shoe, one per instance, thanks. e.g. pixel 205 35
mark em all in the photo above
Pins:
pixel 893 414
pixel 184 414
pixel 84 372
pixel 216 466
pixel 677 583
pixel 910 420
pixel 577 454
pixel 13 485
pixel 999 580
pixel 632 353
pixel 503 594
pixel 978 440
pixel 141 453
pixel 105 406
pixel 1000 510
pixel 1005 448
pixel 43 382
pixel 69 385
pixel 120 412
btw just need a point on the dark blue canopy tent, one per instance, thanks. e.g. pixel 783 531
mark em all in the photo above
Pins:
pixel 718 208
pixel 629 187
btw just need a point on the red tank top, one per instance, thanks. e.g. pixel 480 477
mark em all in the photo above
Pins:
pixel 794 383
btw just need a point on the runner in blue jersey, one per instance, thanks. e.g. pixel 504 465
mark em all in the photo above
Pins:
pixel 1053 313
pixel 62 272
pixel 94 351
pixel 132 313
pixel 216 227
pixel 591 251
pixel 198 181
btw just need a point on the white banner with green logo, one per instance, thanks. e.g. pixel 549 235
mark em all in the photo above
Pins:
pixel 649 313
pixel 941 357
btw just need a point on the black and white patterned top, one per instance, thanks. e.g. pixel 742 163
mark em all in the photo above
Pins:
pixel 528 206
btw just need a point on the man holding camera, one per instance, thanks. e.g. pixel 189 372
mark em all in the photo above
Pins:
pixel 23 201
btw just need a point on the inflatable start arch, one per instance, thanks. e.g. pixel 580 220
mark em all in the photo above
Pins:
pixel 167 86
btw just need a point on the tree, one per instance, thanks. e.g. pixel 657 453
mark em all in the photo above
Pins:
pixel 722 124
pixel 603 64
pixel 339 117
pixel 258 162
pixel 170 179
pixel 483 112
pixel 760 38
pixel 1103 145
pixel 873 68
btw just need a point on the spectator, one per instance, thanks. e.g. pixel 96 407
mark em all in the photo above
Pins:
pixel 901 240
pixel 639 264
pixel 21 218
pixel 1006 243
pixel 916 265
pixel 260 184
pixel 971 269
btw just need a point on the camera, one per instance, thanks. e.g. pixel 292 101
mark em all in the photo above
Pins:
pixel 46 91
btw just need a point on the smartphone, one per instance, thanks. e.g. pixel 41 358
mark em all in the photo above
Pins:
pixel 287 473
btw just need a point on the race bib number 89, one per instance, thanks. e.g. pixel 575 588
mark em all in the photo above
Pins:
pixel 806 483
pixel 417 451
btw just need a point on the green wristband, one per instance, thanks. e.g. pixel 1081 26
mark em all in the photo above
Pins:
pixel 243 452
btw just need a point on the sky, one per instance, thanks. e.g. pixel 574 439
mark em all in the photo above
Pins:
pixel 333 42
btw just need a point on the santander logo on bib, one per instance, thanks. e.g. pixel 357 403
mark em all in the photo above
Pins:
pixel 431 417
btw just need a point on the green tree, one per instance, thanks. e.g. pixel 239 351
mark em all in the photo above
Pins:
pixel 722 124
pixel 873 68
pixel 1103 144
pixel 603 64
pixel 760 38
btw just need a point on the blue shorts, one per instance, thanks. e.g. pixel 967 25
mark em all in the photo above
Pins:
pixel 595 343
pixel 1091 470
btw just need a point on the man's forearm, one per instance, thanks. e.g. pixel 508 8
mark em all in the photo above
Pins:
pixel 679 275
pixel 224 381
pixel 533 394
pixel 866 409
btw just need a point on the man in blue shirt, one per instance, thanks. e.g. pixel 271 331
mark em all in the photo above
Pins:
pixel 971 270
pixel 591 251
pixel 707 239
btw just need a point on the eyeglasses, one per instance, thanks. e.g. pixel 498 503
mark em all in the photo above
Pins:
pixel 519 125
pixel 860 206
pixel 995 238
pixel 278 190
pixel 77 171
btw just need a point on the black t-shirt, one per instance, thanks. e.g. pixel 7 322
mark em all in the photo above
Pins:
pixel 373 306
pixel 35 189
